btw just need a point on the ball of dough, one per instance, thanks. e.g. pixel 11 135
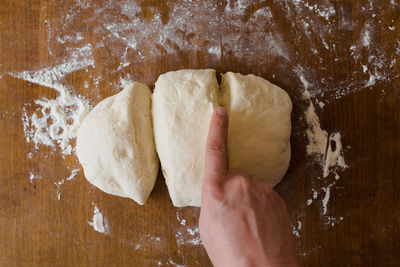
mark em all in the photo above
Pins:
pixel 115 144
pixel 259 126
pixel 182 107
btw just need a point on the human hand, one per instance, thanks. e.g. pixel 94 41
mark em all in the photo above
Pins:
pixel 243 221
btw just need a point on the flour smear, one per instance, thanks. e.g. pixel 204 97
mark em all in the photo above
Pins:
pixel 99 222
pixel 326 149
pixel 55 121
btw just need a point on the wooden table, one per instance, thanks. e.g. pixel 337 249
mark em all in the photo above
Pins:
pixel 347 50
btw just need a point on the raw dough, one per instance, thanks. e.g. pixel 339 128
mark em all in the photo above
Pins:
pixel 259 126
pixel 181 114
pixel 115 144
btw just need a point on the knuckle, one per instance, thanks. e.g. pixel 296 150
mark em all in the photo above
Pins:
pixel 217 146
pixel 244 183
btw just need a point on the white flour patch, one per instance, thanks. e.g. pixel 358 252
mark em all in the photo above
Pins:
pixel 58 185
pixel 74 172
pixel 55 121
pixel 33 176
pixel 366 36
pixel 215 50
pixel 99 222
pixel 334 154
pixel 51 77
pixel 325 11
pixel 314 196
pixel 296 230
pixel 317 137
pixel 325 200
pixel 327 148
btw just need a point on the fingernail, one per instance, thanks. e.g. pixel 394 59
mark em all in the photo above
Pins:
pixel 221 111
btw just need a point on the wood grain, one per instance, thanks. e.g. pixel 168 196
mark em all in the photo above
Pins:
pixel 36 229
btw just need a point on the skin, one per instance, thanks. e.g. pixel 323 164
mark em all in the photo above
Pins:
pixel 243 221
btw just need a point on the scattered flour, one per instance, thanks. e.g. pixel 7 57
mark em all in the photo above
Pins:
pixel 191 237
pixel 171 262
pixel 99 222
pixel 187 235
pixel 58 184
pixel 326 147
pixel 313 250
pixel 33 176
pixel 56 121
pixel 366 35
pixel 314 196
pixel 296 230
pixel 323 11
pixel 215 50
pixel 332 221
pixel 325 200
pixel 74 172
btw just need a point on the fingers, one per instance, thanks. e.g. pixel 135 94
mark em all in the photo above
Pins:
pixel 216 147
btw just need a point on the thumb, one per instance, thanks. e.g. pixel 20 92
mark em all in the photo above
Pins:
pixel 216 147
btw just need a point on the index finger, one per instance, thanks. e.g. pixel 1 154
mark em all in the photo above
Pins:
pixel 216 165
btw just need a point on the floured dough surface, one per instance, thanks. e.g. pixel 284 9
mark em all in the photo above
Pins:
pixel 182 108
pixel 115 144
pixel 259 126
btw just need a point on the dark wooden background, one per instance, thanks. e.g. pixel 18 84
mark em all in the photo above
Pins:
pixel 38 230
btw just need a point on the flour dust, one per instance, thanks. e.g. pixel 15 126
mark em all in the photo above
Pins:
pixel 186 235
pixel 99 222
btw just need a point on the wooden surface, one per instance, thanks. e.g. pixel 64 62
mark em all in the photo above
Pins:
pixel 37 229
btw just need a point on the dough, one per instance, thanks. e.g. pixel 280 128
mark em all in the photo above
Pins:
pixel 115 144
pixel 182 107
pixel 259 126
